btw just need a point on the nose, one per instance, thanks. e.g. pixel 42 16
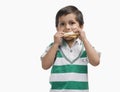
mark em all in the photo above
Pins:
pixel 68 27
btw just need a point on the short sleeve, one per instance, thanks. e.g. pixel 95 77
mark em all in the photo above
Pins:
pixel 46 50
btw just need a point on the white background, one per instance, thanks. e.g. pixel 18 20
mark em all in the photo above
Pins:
pixel 27 27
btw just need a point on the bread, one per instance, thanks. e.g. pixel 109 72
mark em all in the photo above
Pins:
pixel 71 34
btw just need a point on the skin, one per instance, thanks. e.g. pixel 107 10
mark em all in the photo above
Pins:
pixel 68 23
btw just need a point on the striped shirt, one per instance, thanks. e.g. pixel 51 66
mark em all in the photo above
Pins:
pixel 69 72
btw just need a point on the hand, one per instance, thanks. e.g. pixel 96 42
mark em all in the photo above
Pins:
pixel 58 37
pixel 82 35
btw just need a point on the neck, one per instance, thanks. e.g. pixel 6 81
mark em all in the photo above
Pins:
pixel 70 42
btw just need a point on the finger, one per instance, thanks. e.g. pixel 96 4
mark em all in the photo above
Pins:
pixel 75 30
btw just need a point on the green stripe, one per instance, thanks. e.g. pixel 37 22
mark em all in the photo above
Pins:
pixel 59 54
pixel 84 54
pixel 69 68
pixel 70 85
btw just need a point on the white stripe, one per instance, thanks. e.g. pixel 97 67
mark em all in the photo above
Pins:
pixel 69 91
pixel 69 77
pixel 63 61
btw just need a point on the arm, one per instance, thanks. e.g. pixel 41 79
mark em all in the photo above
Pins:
pixel 48 59
pixel 93 56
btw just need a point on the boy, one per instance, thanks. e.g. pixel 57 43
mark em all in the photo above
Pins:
pixel 70 53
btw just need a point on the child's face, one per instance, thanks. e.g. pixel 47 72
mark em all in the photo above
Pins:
pixel 67 23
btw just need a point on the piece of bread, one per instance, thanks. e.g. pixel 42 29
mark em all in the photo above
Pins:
pixel 71 34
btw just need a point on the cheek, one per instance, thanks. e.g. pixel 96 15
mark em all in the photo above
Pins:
pixel 74 28
pixel 60 29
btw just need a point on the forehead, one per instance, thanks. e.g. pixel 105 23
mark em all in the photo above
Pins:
pixel 67 17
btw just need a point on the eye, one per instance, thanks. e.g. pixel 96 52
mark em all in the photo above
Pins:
pixel 71 23
pixel 62 24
